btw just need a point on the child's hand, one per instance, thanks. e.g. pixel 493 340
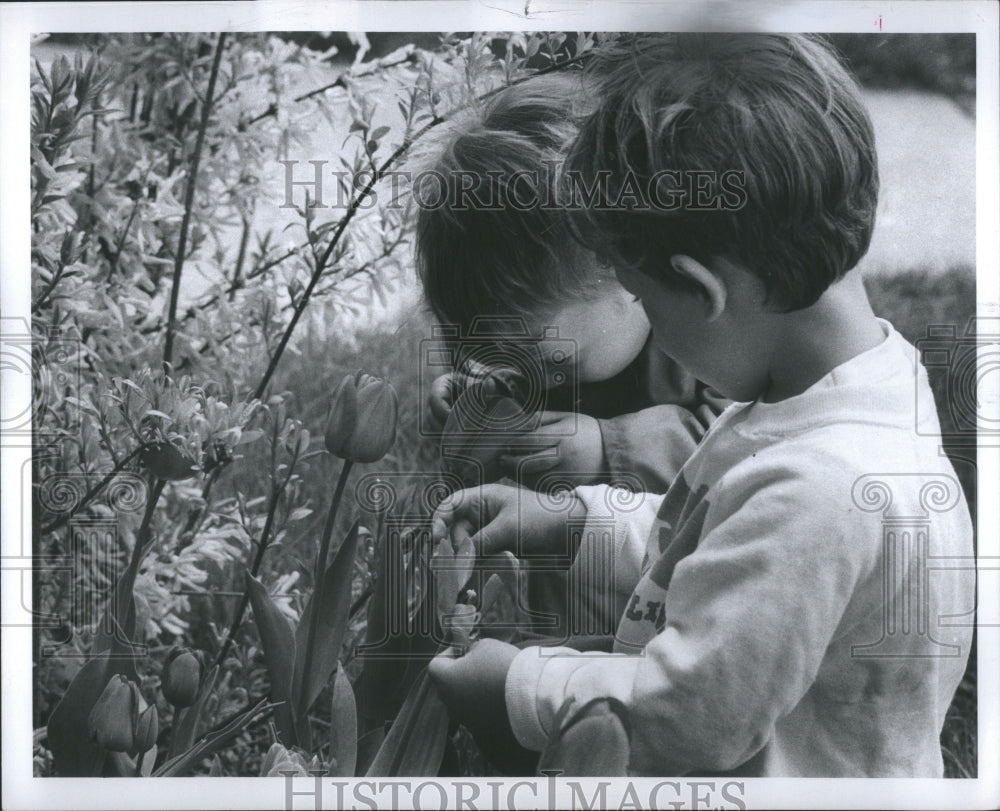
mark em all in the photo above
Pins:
pixel 472 687
pixel 502 518
pixel 444 391
pixel 447 388
pixel 564 442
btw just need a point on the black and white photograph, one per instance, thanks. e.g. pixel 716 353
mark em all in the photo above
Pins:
pixel 500 405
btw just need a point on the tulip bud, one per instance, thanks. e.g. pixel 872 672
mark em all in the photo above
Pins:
pixel 181 677
pixel 460 625
pixel 362 423
pixel 147 728
pixel 112 720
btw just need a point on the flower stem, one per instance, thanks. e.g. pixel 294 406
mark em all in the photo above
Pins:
pixel 331 517
pixel 265 539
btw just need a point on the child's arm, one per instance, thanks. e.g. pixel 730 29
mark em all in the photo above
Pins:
pixel 746 622
pixel 608 528
pixel 654 443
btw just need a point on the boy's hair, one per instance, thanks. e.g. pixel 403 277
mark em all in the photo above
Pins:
pixel 780 109
pixel 504 248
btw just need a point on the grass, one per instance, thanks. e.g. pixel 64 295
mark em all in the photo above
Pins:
pixel 913 301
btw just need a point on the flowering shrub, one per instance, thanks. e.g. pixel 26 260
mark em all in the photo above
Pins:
pixel 171 468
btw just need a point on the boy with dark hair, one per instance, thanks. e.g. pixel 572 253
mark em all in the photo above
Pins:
pixel 495 252
pixel 783 620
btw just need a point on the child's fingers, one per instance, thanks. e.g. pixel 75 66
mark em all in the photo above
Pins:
pixel 440 669
pixel 552 417
pixel 442 396
pixel 531 463
pixel 461 513
pixel 493 539
pixel 451 509
pixel 440 409
pixel 480 512
pixel 530 444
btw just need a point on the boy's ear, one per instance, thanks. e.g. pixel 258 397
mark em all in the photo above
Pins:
pixel 712 287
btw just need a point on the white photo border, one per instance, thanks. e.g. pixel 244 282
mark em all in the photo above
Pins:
pixel 18 21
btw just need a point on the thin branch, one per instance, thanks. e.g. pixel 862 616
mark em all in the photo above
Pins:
pixel 340 81
pixel 206 110
pixel 265 539
pixel 121 240
pixel 92 492
pixel 49 289
pixel 240 258
pixel 194 309
pixel 352 210
pixel 277 490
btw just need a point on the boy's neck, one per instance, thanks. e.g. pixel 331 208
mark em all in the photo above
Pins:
pixel 812 342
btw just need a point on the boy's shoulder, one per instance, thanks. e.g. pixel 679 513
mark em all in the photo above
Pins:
pixel 870 420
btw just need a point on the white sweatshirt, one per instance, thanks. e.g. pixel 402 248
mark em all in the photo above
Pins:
pixel 782 601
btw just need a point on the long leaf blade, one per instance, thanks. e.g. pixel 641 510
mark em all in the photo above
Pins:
pixel 343 727
pixel 279 655
pixel 75 755
pixel 211 743
pixel 324 623
pixel 415 744
pixel 385 655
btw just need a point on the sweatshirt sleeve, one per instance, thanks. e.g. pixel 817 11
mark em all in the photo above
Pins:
pixel 746 621
pixel 654 443
pixel 609 558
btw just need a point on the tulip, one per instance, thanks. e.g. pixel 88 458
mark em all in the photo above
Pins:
pixel 362 423
pixel 181 677
pixel 113 719
pixel 460 625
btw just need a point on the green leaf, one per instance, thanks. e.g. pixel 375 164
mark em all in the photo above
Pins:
pixel 343 727
pixel 325 623
pixel 279 656
pixel 211 744
pixel 415 744
pixel 368 746
pixel 378 687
